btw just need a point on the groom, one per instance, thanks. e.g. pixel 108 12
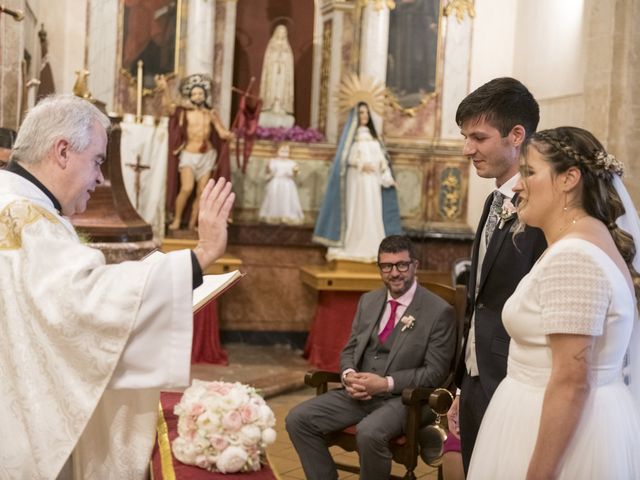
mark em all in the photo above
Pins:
pixel 495 120
pixel 402 336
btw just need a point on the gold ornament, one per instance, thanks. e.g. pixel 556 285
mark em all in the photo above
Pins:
pixel 378 4
pixel 460 7
pixel 354 89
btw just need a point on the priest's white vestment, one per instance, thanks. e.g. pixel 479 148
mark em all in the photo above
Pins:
pixel 85 346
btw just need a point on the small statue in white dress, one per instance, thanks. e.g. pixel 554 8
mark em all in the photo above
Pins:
pixel 276 83
pixel 281 202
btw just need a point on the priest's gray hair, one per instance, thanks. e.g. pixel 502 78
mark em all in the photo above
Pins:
pixel 56 117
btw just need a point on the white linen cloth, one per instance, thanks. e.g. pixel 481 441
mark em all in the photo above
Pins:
pixel 151 143
pixel 79 338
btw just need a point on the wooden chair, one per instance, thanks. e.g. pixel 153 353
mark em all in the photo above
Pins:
pixel 405 448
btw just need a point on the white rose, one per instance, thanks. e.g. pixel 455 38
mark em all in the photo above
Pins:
pixel 250 434
pixel 267 418
pixel 232 460
pixel 184 451
pixel 268 436
pixel 208 421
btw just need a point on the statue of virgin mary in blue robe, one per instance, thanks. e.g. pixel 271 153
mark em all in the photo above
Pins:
pixel 360 205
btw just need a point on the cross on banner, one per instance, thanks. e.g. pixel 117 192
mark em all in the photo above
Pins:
pixel 137 168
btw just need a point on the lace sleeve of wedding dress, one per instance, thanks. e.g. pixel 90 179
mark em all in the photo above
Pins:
pixel 574 293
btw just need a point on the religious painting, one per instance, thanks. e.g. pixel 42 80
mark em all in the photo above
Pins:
pixel 413 50
pixel 149 34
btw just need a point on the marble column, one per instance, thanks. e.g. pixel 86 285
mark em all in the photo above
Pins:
pixel 338 28
pixel 200 37
pixel 11 51
pixel 374 45
pixel 317 63
pixel 456 34
pixel 102 41
pixel 224 52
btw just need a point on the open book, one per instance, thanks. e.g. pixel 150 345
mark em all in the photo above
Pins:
pixel 212 285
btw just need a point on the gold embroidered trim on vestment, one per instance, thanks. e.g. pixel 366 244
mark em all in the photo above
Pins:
pixel 17 215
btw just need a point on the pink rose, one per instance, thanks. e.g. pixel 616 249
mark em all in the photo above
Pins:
pixel 232 421
pixel 196 409
pixel 248 412
pixel 218 442
pixel 220 388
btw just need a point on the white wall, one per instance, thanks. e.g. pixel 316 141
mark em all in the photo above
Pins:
pixel 492 55
pixel 65 24
pixel 550 56
pixel 539 42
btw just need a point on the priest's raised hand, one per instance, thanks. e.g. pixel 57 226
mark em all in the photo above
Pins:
pixel 215 206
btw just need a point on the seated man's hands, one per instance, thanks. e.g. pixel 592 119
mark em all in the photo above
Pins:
pixel 364 385
pixel 214 209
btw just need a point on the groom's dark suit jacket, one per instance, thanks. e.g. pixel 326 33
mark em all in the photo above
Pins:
pixel 506 261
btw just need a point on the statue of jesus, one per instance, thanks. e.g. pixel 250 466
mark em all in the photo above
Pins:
pixel 194 131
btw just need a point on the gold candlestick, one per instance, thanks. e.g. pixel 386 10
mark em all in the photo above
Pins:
pixel 17 15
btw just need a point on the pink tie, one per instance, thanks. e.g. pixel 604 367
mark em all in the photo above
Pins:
pixel 388 327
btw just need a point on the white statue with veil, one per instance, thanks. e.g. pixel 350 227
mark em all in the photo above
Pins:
pixel 276 83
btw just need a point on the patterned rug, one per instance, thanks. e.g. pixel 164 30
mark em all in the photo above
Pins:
pixel 271 369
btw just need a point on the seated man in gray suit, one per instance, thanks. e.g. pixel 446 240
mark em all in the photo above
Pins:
pixel 402 336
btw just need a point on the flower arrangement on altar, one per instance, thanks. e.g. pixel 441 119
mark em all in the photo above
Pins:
pixel 223 427
pixel 293 134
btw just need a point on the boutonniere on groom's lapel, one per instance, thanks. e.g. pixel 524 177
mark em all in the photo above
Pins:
pixel 407 322
pixel 506 212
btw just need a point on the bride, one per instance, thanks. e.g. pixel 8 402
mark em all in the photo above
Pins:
pixel 565 409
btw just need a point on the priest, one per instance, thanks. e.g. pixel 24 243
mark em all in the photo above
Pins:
pixel 85 346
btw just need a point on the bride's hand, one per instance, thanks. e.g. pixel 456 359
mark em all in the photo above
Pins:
pixel 452 417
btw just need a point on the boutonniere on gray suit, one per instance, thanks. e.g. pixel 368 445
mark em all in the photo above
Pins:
pixel 407 322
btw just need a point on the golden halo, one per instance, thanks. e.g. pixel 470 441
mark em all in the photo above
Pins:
pixel 354 89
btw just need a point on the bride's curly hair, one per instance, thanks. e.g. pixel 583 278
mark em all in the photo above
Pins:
pixel 566 147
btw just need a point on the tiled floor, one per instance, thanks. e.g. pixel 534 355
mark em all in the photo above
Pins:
pixel 279 371
pixel 284 459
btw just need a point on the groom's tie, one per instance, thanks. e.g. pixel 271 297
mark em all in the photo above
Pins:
pixel 492 219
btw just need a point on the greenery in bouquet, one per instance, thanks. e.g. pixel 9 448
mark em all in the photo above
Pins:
pixel 293 134
pixel 223 427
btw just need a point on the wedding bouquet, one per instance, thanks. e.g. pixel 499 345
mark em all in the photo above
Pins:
pixel 223 427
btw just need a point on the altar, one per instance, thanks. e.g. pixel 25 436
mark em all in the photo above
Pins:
pixel 334 44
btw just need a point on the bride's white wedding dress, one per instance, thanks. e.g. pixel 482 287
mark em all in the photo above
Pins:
pixel 574 288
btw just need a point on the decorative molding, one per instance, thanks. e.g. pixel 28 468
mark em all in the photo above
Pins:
pixel 378 4
pixel 459 7
pixel 392 101
pixel 450 193
pixel 325 70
